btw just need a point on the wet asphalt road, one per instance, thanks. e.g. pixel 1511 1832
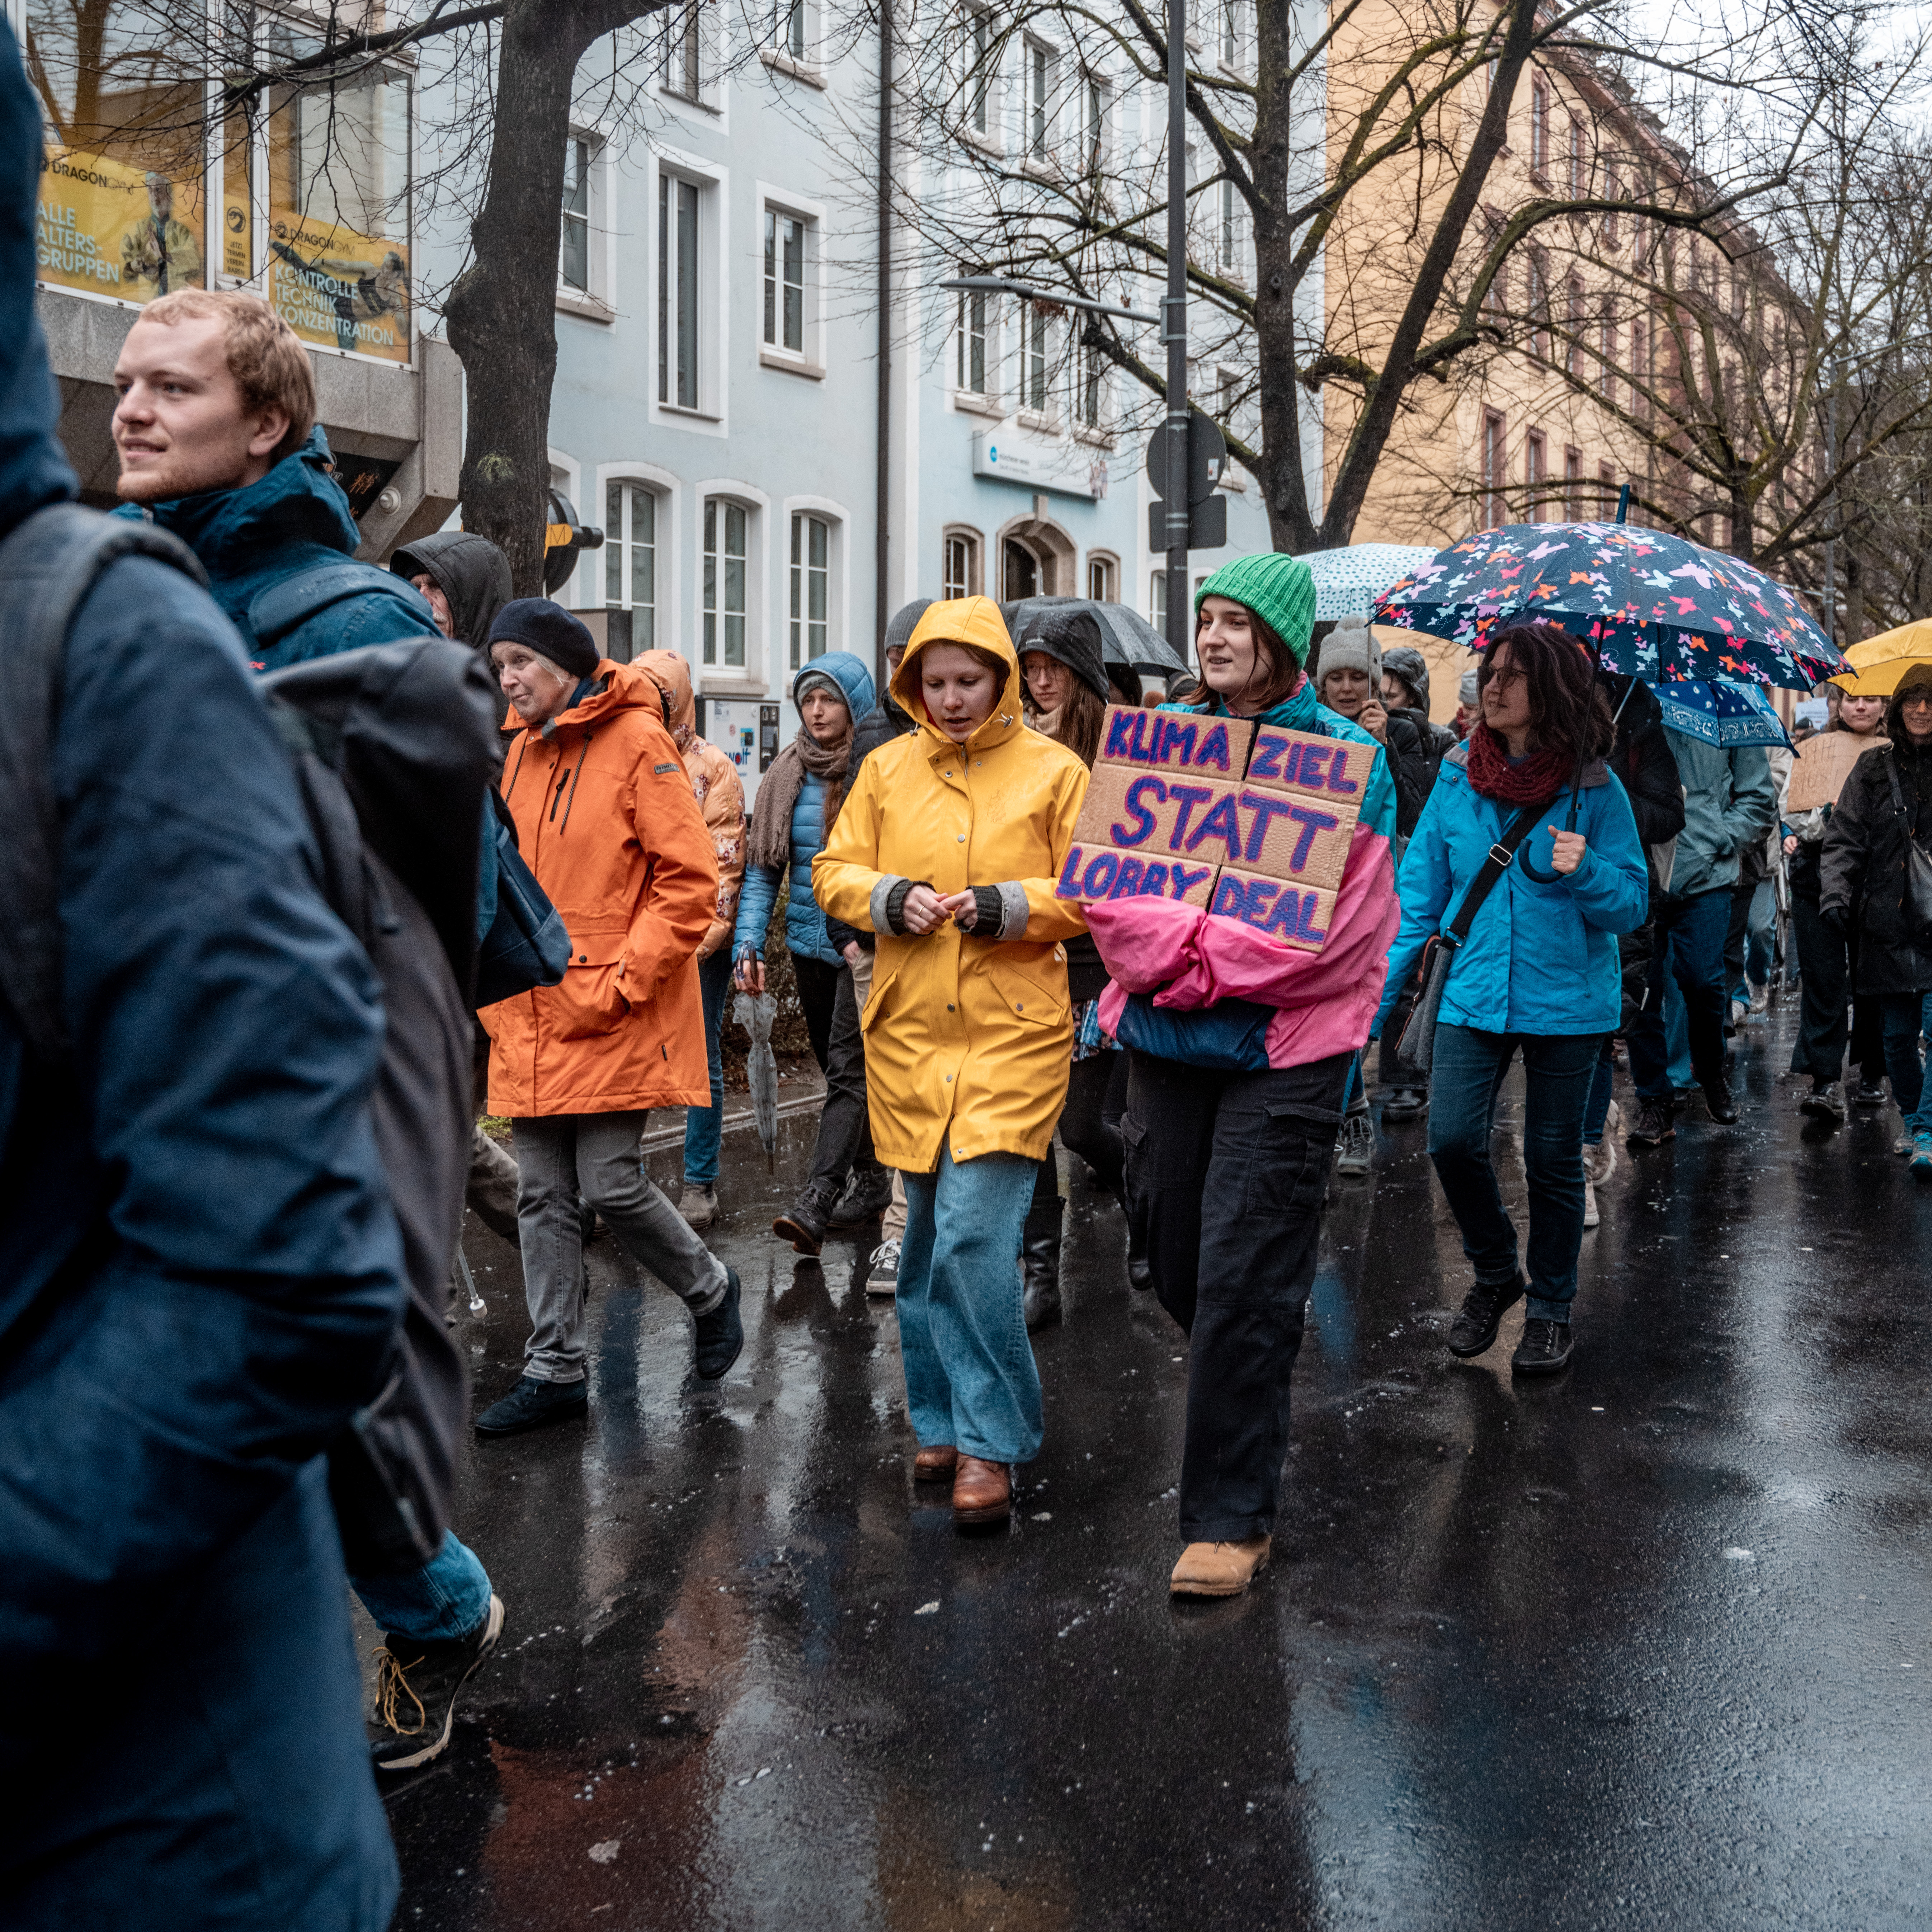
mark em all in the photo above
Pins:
pixel 1644 1648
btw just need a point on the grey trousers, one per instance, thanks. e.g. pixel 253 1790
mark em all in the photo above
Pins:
pixel 894 1229
pixel 598 1155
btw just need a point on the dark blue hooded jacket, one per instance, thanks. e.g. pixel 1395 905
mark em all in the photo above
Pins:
pixel 277 555
pixel 199 1272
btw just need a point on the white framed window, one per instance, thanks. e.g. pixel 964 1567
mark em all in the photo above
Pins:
pixel 1228 35
pixel 1040 64
pixel 680 210
pixel 1097 114
pixel 573 258
pixel 726 581
pixel 1231 227
pixel 973 359
pixel 631 557
pixel 1103 577
pixel 1037 351
pixel 960 569
pixel 807 622
pixel 983 60
pixel 1090 399
pixel 691 61
pixel 1157 601
pixel 794 37
pixel 786 239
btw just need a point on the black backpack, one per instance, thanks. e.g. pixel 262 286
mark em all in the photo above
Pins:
pixel 393 747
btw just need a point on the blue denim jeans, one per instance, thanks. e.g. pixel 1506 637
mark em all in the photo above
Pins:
pixel 970 1379
pixel 1596 1111
pixel 1558 1069
pixel 704 1125
pixel 448 1597
pixel 1760 940
pixel 1907 1015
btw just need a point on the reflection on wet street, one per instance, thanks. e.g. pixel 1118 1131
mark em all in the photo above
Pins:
pixel 1645 1647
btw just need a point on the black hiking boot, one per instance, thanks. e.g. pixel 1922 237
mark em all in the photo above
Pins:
pixel 1039 1263
pixel 1719 1102
pixel 1474 1329
pixel 867 1194
pixel 806 1226
pixel 416 1684
pixel 1653 1125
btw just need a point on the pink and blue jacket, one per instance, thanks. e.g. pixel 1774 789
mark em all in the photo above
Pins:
pixel 1208 991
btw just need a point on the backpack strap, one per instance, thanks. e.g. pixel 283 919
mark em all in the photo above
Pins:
pixel 1493 868
pixel 291 602
pixel 48 565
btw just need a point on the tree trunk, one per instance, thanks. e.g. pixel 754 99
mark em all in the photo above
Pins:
pixel 501 312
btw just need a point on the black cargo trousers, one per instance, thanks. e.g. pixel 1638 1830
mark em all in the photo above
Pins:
pixel 1226 1173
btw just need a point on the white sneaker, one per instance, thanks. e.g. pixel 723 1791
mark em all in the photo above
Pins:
pixel 1600 1159
pixel 1590 1217
pixel 882 1276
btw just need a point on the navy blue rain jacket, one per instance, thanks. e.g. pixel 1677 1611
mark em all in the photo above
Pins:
pixel 200 1269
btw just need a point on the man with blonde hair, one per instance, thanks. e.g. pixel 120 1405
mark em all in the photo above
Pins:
pixel 218 442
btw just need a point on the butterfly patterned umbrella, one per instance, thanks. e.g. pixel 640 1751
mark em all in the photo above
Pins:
pixel 1654 606
pixel 1348 582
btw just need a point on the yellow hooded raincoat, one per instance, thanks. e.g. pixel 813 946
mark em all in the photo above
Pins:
pixel 962 1033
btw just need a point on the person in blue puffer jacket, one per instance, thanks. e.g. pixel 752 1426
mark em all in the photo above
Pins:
pixel 797 801
pixel 1539 971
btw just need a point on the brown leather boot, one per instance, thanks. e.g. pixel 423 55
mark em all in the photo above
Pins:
pixel 982 1491
pixel 935 1465
pixel 1219 1569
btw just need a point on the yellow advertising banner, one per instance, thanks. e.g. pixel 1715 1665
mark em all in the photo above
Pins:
pixel 112 229
pixel 339 289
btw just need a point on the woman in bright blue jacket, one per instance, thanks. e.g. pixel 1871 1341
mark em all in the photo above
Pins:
pixel 1538 973
pixel 797 800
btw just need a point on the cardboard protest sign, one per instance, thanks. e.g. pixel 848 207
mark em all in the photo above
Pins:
pixel 1823 765
pixel 1250 825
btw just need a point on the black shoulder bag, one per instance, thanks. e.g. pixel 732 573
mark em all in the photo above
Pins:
pixel 1417 1047
pixel 1916 900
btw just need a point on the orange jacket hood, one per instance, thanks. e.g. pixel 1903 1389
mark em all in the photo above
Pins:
pixel 962 620
pixel 672 676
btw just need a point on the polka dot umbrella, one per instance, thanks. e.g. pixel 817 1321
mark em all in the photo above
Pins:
pixel 1653 606
pixel 1348 582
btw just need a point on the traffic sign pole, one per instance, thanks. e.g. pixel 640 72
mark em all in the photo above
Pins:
pixel 1180 627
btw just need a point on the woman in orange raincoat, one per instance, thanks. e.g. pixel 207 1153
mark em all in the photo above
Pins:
pixel 606 820
pixel 948 848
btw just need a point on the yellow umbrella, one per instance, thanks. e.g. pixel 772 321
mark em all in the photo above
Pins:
pixel 1879 663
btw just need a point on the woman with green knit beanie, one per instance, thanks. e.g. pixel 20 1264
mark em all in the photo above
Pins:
pixel 1232 1111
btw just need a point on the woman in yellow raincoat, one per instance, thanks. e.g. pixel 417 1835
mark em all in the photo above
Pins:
pixel 948 848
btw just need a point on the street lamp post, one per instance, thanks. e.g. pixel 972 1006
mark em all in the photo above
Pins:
pixel 1175 330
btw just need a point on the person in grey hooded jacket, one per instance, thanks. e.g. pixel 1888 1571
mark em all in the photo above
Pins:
pixel 1729 802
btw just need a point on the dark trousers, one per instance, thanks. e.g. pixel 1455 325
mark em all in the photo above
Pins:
pixel 1225 1176
pixel 831 1023
pixel 1090 1123
pixel 1558 1069
pixel 1689 943
pixel 1820 1048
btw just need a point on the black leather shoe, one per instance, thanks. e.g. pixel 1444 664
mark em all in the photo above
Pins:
pixel 1718 1101
pixel 1039 1264
pixel 1652 1126
pixel 867 1196
pixel 1824 1103
pixel 1867 1093
pixel 532 1404
pixel 1405 1103
pixel 1140 1270
pixel 1544 1348
pixel 1474 1329
pixel 721 1334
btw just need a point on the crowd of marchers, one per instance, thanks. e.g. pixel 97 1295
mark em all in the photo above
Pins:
pixel 248 1007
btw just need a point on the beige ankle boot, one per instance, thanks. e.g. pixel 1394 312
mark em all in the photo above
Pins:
pixel 1219 1569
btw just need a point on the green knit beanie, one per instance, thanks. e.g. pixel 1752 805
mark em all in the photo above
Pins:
pixel 1279 590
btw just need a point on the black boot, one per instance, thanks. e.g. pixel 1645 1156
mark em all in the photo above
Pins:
pixel 1474 1328
pixel 1040 1257
pixel 807 1224
pixel 1140 1270
pixel 867 1194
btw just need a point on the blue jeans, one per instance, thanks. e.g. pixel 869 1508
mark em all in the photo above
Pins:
pixel 970 1375
pixel 1907 1015
pixel 1596 1110
pixel 1760 929
pixel 1690 948
pixel 448 1597
pixel 704 1125
pixel 1558 1069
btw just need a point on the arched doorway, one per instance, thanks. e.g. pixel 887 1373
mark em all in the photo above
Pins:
pixel 1019 572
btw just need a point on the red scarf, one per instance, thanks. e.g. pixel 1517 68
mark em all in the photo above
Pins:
pixel 1541 775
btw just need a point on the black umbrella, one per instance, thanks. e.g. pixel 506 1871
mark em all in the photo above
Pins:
pixel 1126 638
